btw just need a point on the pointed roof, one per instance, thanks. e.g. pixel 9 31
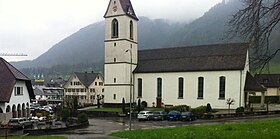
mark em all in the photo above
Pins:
pixel 8 77
pixel 252 85
pixel 216 57
pixel 128 8
pixel 87 78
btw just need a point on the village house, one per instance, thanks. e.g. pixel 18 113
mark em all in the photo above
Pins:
pixel 15 92
pixel 87 87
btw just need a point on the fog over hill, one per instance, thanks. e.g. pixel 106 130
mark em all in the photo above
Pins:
pixel 84 50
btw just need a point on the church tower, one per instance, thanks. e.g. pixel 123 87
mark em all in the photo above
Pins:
pixel 121 46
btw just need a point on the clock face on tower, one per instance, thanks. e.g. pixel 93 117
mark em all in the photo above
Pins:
pixel 115 8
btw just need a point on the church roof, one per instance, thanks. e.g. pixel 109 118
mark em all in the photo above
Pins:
pixel 8 77
pixel 252 84
pixel 87 78
pixel 216 57
pixel 128 8
pixel 269 80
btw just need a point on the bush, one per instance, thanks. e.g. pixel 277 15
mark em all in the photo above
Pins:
pixel 144 104
pixel 65 114
pixel 82 118
pixel 239 110
pixel 181 108
pixel 199 110
pixel 208 108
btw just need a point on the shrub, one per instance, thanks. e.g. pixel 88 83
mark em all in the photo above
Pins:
pixel 208 108
pixel 82 118
pixel 239 110
pixel 181 108
pixel 144 104
pixel 65 114
pixel 199 110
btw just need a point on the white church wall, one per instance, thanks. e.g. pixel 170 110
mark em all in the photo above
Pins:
pixel 211 88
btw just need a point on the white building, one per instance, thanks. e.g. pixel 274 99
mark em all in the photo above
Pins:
pixel 192 76
pixel 88 87
pixel 15 92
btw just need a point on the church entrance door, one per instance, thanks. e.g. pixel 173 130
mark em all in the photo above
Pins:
pixel 159 101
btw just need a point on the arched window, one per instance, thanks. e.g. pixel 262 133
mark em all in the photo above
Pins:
pixel 222 87
pixel 181 88
pixel 1 111
pixel 8 109
pixel 140 87
pixel 131 30
pixel 159 87
pixel 200 87
pixel 14 109
pixel 115 28
pixel 19 110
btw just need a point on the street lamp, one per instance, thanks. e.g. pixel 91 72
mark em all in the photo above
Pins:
pixel 130 92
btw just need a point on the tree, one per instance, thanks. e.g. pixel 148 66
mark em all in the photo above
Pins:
pixel 230 101
pixel 255 23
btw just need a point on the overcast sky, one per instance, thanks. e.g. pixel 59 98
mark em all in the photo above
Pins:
pixel 34 26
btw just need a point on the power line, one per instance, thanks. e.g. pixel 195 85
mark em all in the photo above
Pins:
pixel 13 54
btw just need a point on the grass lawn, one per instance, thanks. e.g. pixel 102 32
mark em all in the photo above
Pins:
pixel 269 129
pixel 105 109
pixel 35 137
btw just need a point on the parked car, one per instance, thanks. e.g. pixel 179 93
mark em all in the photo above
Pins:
pixel 174 115
pixel 144 115
pixel 188 116
pixel 19 123
pixel 159 115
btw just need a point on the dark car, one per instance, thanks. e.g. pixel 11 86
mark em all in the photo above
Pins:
pixel 158 115
pixel 174 115
pixel 188 116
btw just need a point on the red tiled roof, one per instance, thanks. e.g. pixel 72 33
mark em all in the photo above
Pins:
pixel 8 77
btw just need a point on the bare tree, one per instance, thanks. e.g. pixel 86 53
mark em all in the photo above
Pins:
pixel 230 101
pixel 255 22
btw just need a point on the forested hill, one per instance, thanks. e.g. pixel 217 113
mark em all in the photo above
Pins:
pixel 84 50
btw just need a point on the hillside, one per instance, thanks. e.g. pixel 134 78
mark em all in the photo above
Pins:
pixel 84 50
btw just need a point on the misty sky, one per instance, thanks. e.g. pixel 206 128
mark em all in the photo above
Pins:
pixel 34 26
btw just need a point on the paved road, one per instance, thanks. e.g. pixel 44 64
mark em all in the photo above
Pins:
pixel 100 128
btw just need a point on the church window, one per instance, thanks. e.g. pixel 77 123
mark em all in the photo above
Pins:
pixel 181 88
pixel 222 87
pixel 200 87
pixel 131 30
pixel 115 44
pixel 115 28
pixel 115 80
pixel 139 87
pixel 115 97
pixel 115 60
pixel 159 87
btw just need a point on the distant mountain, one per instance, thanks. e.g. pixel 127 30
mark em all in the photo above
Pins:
pixel 84 50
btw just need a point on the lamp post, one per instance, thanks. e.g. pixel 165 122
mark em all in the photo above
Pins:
pixel 130 92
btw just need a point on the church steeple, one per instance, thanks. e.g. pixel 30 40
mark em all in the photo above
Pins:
pixel 117 7
pixel 121 47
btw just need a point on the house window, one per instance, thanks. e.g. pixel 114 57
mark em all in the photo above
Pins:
pixel 159 87
pixel 222 87
pixel 115 60
pixel 18 91
pixel 103 90
pixel 139 88
pixel 181 88
pixel 115 80
pixel 131 30
pixel 71 83
pixel 265 80
pixel 92 90
pixel 95 83
pixel 200 87
pixel 115 97
pixel 115 28
pixel 100 83
pixel 115 44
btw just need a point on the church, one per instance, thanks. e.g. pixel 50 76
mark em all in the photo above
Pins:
pixel 193 75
